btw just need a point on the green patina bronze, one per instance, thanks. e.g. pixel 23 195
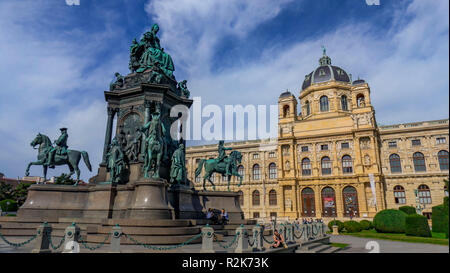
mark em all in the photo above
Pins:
pixel 148 54
pixel 117 83
pixel 49 156
pixel 115 163
pixel 225 165
pixel 154 145
pixel 182 88
pixel 178 168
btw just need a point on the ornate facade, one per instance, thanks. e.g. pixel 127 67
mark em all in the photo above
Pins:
pixel 332 160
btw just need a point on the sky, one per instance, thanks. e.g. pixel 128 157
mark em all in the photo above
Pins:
pixel 57 60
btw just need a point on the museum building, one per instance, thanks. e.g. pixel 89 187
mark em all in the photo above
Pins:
pixel 332 159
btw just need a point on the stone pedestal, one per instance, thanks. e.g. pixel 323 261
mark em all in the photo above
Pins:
pixel 335 230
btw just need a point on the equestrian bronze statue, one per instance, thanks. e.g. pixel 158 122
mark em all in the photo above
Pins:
pixel 225 165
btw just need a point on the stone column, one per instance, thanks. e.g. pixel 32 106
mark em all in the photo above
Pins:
pixel 147 105
pixel 108 134
pixel 72 237
pixel 116 233
pixel 258 240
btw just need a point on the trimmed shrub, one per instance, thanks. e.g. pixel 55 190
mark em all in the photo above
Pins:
pixel 338 223
pixel 438 218
pixel 366 224
pixel 352 226
pixel 446 226
pixel 408 210
pixel 11 207
pixel 390 221
pixel 446 204
pixel 417 225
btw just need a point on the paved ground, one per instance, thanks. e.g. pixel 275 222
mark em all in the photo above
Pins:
pixel 358 245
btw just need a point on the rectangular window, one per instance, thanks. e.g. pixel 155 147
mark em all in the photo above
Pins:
pixel 441 140
pixel 415 142
pixel 304 148
pixel 400 197
pixel 345 145
pixel 255 156
pixel 272 154
pixel 392 144
pixel 255 214
pixel 324 147
pixel 273 214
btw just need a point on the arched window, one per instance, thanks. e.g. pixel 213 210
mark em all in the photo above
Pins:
pixel 443 160
pixel 285 111
pixel 272 198
pixel 344 105
pixel 240 170
pixel 308 202
pixel 399 195
pixel 347 164
pixel 241 198
pixel 424 194
pixel 360 100
pixel 326 165
pixel 419 162
pixel 394 161
pixel 255 198
pixel 256 172
pixel 328 202
pixel 306 166
pixel 324 104
pixel 350 196
pixel 308 109
pixel 272 171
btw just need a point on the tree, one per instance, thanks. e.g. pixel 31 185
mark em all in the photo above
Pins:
pixel 64 179
pixel 6 191
pixel 20 193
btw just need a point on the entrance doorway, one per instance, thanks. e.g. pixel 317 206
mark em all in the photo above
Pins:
pixel 308 205
pixel 329 202
pixel 350 196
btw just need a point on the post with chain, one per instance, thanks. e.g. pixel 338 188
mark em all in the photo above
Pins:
pixel 42 239
pixel 258 233
pixel 283 231
pixel 72 238
pixel 115 239
pixel 242 243
pixel 207 239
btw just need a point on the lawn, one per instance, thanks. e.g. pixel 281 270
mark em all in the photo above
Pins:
pixel 438 238
pixel 339 245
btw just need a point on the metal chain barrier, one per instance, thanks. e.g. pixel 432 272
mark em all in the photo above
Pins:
pixel 267 241
pixel 84 244
pixel 163 247
pixel 250 243
pixel 301 234
pixel 51 243
pixel 317 229
pixel 228 245
pixel 17 244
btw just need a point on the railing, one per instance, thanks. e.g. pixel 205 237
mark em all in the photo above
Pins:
pixel 242 241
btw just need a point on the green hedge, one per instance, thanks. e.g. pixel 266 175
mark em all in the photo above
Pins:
pixel 11 207
pixel 446 226
pixel 352 226
pixel 390 221
pixel 338 223
pixel 446 203
pixel 438 218
pixel 408 209
pixel 366 224
pixel 417 225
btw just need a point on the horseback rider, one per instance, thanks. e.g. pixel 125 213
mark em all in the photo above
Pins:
pixel 60 148
pixel 222 156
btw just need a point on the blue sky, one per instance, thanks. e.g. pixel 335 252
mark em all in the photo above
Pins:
pixel 56 60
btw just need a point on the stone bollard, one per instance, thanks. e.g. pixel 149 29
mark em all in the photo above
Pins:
pixel 258 239
pixel 42 240
pixel 242 243
pixel 335 230
pixel 116 234
pixel 207 239
pixel 72 236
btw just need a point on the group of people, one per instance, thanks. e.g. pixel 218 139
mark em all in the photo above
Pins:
pixel 308 221
pixel 221 219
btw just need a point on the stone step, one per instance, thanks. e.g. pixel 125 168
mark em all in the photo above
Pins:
pixel 149 230
pixel 322 248
pixel 332 249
